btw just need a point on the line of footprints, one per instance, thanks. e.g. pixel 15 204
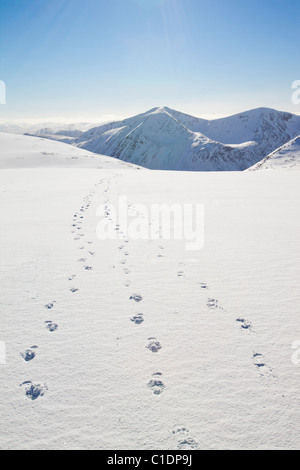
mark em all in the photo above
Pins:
pixel 35 391
pixel 245 325
pixel 155 384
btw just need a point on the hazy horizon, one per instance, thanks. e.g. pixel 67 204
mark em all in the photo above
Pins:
pixel 111 118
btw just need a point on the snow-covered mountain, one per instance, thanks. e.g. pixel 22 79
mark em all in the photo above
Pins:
pixel 65 135
pixel 286 157
pixel 170 140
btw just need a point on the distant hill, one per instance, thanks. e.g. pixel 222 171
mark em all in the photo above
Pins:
pixel 286 157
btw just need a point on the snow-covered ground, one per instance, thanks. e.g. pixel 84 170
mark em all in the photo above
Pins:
pixel 222 319
pixel 19 151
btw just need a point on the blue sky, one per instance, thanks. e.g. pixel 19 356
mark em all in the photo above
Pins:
pixel 90 59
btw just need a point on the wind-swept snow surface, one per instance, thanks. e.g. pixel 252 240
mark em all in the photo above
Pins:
pixel 286 157
pixel 169 140
pixel 18 151
pixel 127 344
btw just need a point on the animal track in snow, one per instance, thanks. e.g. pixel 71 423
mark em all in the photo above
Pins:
pixel 154 345
pixel 34 391
pixel 137 319
pixel 50 305
pixel 127 283
pixel 185 442
pixel 180 274
pixel 73 290
pixel 156 385
pixel 203 285
pixel 213 304
pixel 88 268
pixel 136 297
pixel 260 364
pixel 245 324
pixel 29 354
pixel 51 326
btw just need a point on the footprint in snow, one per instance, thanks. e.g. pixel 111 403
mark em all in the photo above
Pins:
pixel 213 304
pixel 154 345
pixel 180 274
pixel 73 290
pixel 156 384
pixel 50 305
pixel 29 354
pixel 260 364
pixel 245 324
pixel 185 442
pixel 136 297
pixel 88 268
pixel 34 391
pixel 51 326
pixel 137 319
pixel 203 285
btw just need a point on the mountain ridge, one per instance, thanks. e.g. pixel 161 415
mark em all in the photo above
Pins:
pixel 166 139
pixel 285 157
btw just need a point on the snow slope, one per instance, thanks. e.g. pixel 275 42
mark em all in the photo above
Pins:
pixel 284 158
pixel 169 140
pixel 222 319
pixel 18 151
